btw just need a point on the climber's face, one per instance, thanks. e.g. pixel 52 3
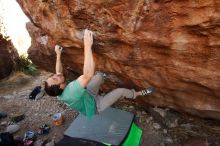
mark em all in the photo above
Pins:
pixel 56 79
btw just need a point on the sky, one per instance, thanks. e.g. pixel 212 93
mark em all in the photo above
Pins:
pixel 15 23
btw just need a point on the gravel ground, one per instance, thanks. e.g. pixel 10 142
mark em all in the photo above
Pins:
pixel 161 127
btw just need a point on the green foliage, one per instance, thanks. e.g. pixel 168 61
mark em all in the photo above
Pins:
pixel 25 65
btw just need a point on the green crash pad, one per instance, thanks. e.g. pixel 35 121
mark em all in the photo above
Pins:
pixel 134 136
pixel 111 127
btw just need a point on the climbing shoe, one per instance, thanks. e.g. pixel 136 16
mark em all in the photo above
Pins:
pixel 147 91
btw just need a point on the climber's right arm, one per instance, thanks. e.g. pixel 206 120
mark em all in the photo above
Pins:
pixel 89 64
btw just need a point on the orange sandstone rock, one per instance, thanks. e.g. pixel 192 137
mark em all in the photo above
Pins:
pixel 170 44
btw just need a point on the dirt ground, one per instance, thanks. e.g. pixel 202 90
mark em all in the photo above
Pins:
pixel 160 127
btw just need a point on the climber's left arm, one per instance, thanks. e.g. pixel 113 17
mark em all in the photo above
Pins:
pixel 59 67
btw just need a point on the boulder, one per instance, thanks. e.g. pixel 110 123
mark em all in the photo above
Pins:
pixel 169 44
pixel 8 56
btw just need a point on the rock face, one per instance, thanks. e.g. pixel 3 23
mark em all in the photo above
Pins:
pixel 170 44
pixel 8 57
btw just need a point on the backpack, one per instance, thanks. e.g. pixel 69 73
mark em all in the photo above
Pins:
pixel 6 139
pixel 35 92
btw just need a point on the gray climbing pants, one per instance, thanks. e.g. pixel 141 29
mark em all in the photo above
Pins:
pixel 103 102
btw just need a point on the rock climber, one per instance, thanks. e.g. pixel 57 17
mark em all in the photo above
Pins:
pixel 82 94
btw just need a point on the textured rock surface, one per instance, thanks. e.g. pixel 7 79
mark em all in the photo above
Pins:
pixel 8 56
pixel 172 45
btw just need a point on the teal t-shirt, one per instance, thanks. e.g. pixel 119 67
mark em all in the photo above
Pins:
pixel 77 98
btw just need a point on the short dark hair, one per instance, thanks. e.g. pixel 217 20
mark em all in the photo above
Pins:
pixel 53 90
